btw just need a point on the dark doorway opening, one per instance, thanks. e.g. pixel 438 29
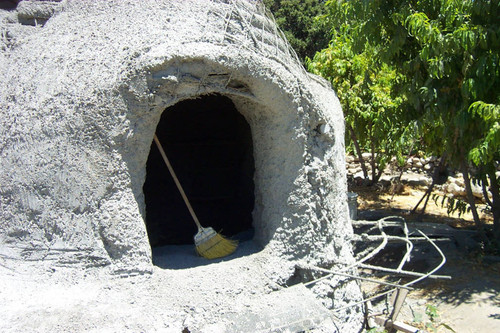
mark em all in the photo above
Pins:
pixel 209 145
pixel 9 4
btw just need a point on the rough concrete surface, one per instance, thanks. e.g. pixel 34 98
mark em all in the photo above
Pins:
pixel 231 295
pixel 83 85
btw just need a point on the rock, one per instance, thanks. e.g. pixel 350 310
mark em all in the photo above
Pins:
pixel 456 180
pixel 455 189
pixel 416 179
pixel 428 166
pixel 460 182
pixel 477 191
pixel 353 170
pixel 418 165
pixel 30 12
pixel 387 178
pixel 358 177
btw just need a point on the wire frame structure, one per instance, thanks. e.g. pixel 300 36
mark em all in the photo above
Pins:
pixel 371 239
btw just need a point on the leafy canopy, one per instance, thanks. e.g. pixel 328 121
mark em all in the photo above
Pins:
pixel 446 54
pixel 297 19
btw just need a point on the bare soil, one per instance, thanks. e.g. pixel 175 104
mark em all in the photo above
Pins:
pixel 401 203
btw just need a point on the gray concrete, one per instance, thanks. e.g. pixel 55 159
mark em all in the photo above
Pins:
pixel 81 93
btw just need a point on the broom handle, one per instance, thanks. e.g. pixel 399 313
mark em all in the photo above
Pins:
pixel 179 187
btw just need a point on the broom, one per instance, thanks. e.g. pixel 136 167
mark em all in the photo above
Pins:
pixel 209 244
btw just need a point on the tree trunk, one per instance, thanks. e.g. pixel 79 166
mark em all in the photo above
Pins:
pixel 403 168
pixel 426 194
pixel 484 188
pixel 355 141
pixel 373 164
pixel 470 197
pixel 435 175
pixel 495 203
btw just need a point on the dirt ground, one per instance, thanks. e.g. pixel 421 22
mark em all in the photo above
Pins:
pixel 401 203
pixel 470 300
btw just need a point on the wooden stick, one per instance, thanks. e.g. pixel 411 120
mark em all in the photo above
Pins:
pixel 177 183
pixel 400 326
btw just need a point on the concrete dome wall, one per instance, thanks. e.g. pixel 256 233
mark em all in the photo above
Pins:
pixel 80 99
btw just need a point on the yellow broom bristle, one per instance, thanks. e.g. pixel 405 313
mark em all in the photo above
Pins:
pixel 216 246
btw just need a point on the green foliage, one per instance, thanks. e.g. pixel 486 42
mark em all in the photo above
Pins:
pixel 446 54
pixel 431 311
pixel 432 321
pixel 487 148
pixel 453 205
pixel 298 20
pixel 365 90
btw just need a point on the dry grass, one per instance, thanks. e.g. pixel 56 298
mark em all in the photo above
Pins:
pixel 373 198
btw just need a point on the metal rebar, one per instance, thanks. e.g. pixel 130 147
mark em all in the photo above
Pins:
pixel 403 272
pixel 422 277
pixel 312 267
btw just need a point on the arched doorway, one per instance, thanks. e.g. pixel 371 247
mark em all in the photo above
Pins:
pixel 209 145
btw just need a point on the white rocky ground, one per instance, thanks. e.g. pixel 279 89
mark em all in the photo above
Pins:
pixel 184 293
pixel 168 300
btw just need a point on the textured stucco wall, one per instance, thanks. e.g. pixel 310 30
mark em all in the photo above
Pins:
pixel 83 85
pixel 80 98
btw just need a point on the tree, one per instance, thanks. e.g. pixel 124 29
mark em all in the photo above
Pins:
pixel 297 19
pixel 447 52
pixel 373 115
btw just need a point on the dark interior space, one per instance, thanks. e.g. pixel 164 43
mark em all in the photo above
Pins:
pixel 209 145
pixel 9 4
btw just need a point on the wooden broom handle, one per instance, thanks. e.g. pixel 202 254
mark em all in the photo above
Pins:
pixel 179 187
